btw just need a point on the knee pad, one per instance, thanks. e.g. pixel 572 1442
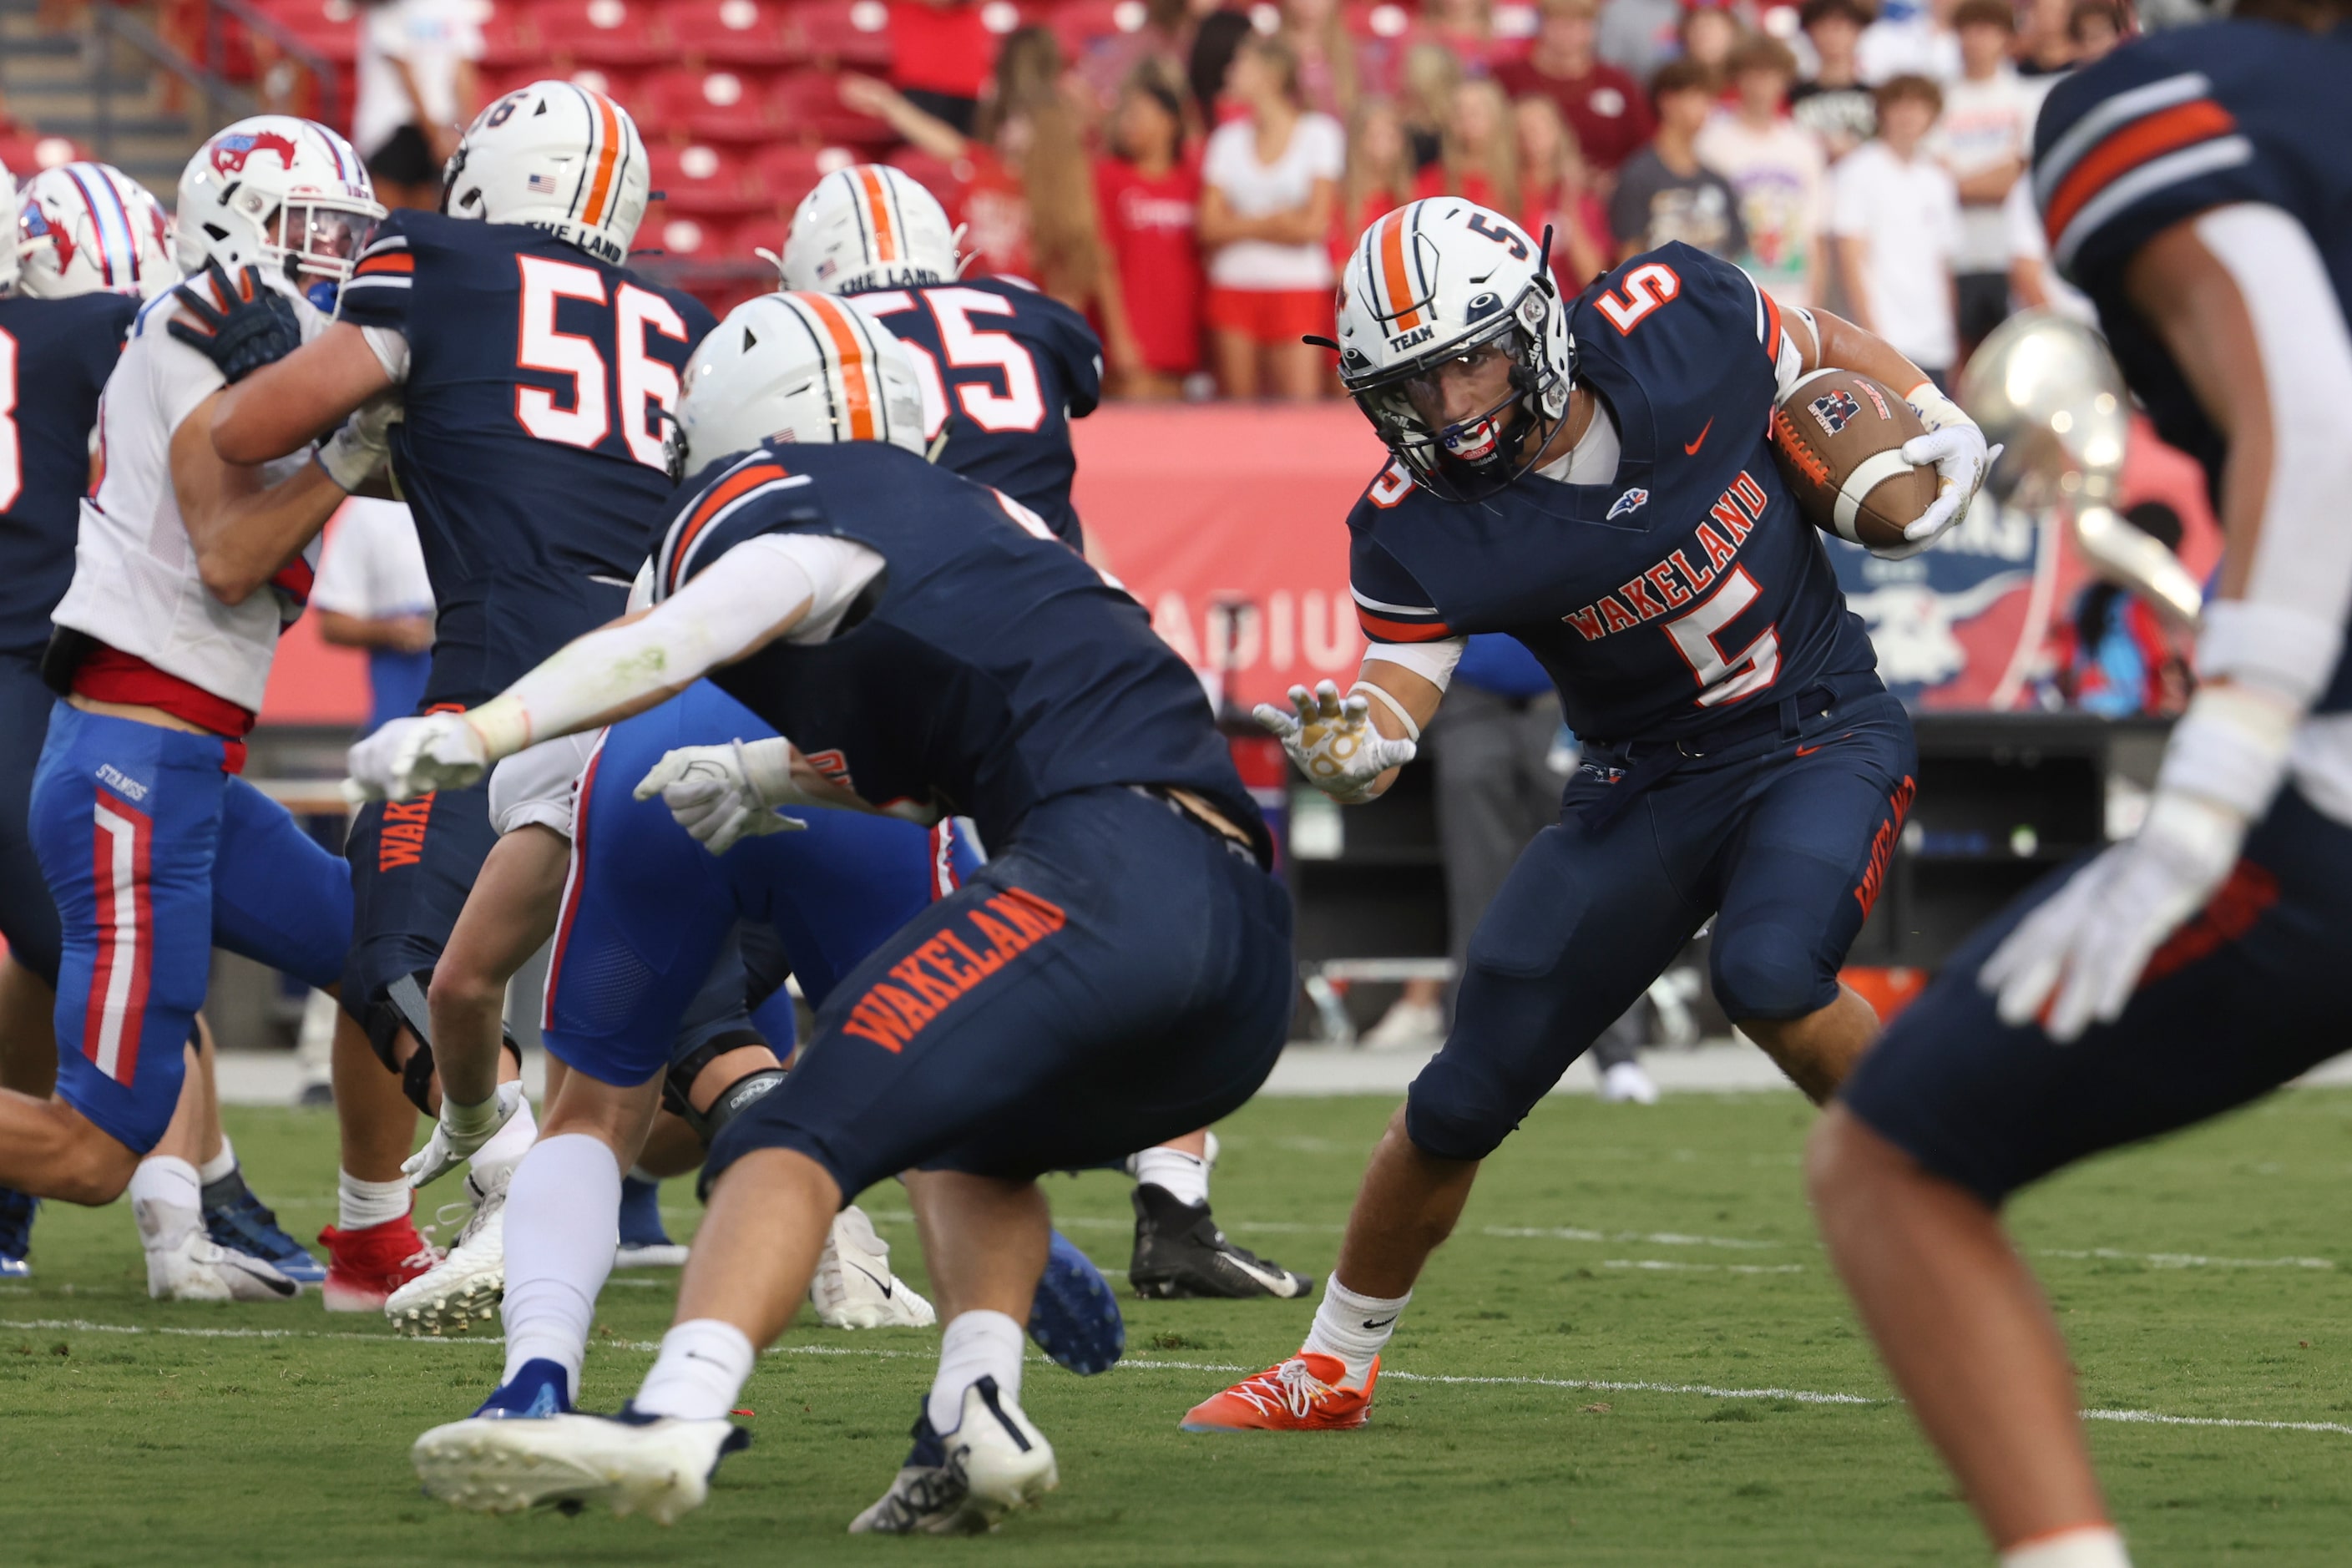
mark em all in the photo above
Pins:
pixel 1766 972
pixel 678 1083
pixel 403 1006
pixel 1453 1113
pixel 740 1096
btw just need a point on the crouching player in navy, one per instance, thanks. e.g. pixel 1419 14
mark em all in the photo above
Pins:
pixel 2195 186
pixel 186 570
pixel 1118 974
pixel 1593 479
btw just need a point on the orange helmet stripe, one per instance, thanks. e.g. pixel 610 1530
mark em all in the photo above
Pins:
pixel 858 378
pixel 608 133
pixel 877 212
pixel 1392 272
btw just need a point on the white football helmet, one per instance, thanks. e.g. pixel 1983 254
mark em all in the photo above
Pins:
pixel 557 157
pixel 87 228
pixel 1427 283
pixel 287 194
pixel 796 368
pixel 869 226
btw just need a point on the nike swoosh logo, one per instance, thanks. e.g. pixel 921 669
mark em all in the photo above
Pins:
pixel 1692 450
pixel 1809 751
pixel 1383 1324
pixel 879 1283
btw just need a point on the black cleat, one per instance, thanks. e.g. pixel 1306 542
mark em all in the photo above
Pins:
pixel 1179 1254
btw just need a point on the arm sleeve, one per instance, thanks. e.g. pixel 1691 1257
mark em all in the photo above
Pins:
pixel 377 292
pixel 2132 146
pixel 1390 606
pixel 713 620
pixel 1433 662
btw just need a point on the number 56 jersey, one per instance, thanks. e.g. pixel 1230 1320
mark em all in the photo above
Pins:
pixel 531 445
pixel 1664 599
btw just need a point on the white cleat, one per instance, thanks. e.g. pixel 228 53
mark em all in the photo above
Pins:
pixel 183 1264
pixel 1626 1084
pixel 465 1287
pixel 854 1287
pixel 649 1255
pixel 659 1468
pixel 965 1482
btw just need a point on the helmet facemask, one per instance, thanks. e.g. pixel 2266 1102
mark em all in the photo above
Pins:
pixel 1482 453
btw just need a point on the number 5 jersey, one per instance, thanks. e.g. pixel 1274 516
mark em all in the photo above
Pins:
pixel 1674 590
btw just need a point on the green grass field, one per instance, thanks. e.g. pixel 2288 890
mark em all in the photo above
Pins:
pixel 1633 1352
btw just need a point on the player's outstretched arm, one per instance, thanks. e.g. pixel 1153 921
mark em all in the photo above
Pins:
pixel 242 530
pixel 725 614
pixel 1351 747
pixel 2243 301
pixel 284 407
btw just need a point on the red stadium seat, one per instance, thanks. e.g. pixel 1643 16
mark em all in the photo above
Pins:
pixel 808 105
pixel 509 42
pixel 328 26
pixel 944 180
pixel 734 33
pixel 757 235
pixel 844 32
pixel 600 32
pixel 792 172
pixel 710 106
pixel 703 182
pixel 29 152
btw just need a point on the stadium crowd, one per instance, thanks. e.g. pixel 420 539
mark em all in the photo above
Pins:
pixel 1189 176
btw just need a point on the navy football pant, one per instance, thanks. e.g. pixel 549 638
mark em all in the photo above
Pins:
pixel 1784 841
pixel 413 863
pixel 2247 994
pixel 29 917
pixel 154 855
pixel 647 967
pixel 1115 978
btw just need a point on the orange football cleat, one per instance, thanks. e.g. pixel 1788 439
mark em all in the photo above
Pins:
pixel 1302 1395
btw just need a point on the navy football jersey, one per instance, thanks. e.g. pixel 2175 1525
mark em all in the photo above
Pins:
pixel 54 357
pixel 988 668
pixel 1662 600
pixel 1011 368
pixel 530 448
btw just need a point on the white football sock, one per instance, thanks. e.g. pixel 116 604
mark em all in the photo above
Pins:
pixel 166 1200
pixel 1186 1176
pixel 508 1143
pixel 703 1365
pixel 2084 1546
pixel 976 1344
pixel 220 1165
pixel 359 1205
pixel 1354 1327
pixel 563 1224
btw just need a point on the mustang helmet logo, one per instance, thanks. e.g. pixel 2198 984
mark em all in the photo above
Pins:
pixel 229 152
pixel 1835 410
pixel 35 226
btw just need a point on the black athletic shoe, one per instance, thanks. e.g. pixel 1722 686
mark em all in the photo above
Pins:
pixel 1180 1253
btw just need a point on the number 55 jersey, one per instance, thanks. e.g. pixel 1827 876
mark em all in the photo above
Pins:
pixel 1676 589
pixel 534 379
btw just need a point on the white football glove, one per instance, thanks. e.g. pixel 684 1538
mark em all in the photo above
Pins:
pixel 462 1130
pixel 723 794
pixel 357 449
pixel 2082 952
pixel 412 756
pixel 1957 449
pixel 1332 740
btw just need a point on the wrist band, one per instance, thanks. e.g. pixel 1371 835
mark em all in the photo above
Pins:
pixel 2231 747
pixel 1396 709
pixel 503 724
pixel 2287 651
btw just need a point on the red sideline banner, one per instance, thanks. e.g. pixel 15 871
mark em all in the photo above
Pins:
pixel 1227 521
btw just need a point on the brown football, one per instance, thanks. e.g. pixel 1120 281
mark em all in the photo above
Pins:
pixel 1839 437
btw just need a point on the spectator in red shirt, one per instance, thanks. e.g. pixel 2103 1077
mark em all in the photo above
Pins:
pixel 1147 192
pixel 1480 155
pixel 1029 206
pixel 1606 108
pixel 1556 188
pixel 941 52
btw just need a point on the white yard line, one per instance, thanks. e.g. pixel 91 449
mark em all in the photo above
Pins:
pixel 1578 1385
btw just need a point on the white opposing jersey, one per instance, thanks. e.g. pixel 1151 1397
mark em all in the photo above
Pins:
pixel 135 584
